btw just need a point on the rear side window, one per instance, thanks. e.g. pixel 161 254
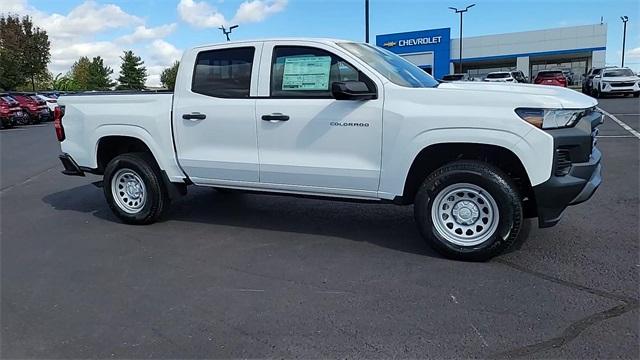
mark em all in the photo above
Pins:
pixel 223 73
pixel 299 71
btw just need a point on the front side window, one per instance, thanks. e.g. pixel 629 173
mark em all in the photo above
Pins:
pixel 299 71
pixel 393 67
pixel 223 73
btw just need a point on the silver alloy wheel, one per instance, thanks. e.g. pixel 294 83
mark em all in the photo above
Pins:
pixel 465 214
pixel 128 191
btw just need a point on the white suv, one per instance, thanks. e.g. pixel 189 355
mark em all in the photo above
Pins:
pixel 500 76
pixel 616 81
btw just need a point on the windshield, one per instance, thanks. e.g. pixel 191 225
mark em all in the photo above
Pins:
pixel 398 70
pixel 497 75
pixel 618 73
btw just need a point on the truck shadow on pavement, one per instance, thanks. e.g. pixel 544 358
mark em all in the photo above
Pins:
pixel 385 225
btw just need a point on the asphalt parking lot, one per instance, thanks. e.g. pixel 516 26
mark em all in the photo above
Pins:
pixel 255 276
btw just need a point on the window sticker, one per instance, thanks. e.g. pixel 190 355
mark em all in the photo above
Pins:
pixel 306 73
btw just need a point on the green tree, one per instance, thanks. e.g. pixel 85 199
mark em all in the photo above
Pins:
pixel 36 51
pixel 64 83
pixel 81 73
pixel 100 75
pixel 91 74
pixel 11 75
pixel 24 52
pixel 168 76
pixel 133 74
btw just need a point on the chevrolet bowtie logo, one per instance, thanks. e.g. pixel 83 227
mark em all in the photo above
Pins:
pixel 390 44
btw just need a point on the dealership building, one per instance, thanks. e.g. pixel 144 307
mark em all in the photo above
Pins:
pixel 577 48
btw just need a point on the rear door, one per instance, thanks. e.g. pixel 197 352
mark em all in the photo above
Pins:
pixel 309 141
pixel 214 115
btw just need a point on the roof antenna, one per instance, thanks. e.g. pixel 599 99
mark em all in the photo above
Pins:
pixel 601 19
pixel 227 32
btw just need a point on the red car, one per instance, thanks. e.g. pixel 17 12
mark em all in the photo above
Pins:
pixel 10 112
pixel 36 108
pixel 551 77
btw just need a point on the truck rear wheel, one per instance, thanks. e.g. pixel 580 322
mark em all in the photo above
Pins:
pixel 469 210
pixel 134 189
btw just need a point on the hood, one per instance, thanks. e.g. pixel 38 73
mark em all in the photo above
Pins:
pixel 527 94
pixel 621 78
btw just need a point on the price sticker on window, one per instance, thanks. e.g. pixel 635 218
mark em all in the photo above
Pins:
pixel 306 73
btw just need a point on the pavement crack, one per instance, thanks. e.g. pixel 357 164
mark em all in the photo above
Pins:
pixel 570 284
pixel 575 328
pixel 569 334
pixel 27 179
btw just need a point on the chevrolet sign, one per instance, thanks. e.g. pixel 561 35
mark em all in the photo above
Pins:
pixel 420 41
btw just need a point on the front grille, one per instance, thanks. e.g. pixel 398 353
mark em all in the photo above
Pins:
pixel 622 84
pixel 563 162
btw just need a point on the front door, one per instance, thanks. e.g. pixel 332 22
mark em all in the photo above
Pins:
pixel 308 141
pixel 214 116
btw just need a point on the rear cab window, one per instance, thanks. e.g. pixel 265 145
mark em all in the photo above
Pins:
pixel 224 73
pixel 497 75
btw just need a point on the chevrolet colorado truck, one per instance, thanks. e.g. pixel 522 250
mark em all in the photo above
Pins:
pixel 343 120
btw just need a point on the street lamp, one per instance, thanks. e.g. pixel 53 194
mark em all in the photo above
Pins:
pixel 461 11
pixel 227 32
pixel 624 35
pixel 366 21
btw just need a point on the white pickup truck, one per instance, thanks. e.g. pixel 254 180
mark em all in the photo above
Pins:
pixel 346 120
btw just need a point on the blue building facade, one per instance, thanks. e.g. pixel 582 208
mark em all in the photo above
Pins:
pixel 431 48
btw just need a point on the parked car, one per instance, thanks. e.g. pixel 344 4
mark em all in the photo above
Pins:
pixel 500 76
pixel 519 76
pixel 35 108
pixel 551 77
pixel 568 74
pixel 10 112
pixel 615 80
pixel 457 77
pixel 305 117
pixel 50 100
pixel 587 80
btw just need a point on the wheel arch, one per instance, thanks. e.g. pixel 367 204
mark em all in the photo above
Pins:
pixel 435 156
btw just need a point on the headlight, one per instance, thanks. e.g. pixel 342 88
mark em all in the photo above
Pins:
pixel 550 118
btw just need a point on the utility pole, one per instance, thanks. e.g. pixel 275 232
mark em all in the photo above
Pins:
pixel 461 11
pixel 366 21
pixel 624 35
pixel 227 32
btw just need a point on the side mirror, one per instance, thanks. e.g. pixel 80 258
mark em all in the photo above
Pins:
pixel 352 90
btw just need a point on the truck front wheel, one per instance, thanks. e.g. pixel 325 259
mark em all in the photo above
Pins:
pixel 134 189
pixel 469 210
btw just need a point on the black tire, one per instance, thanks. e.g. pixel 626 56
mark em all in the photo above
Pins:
pixel 636 94
pixel 156 195
pixel 493 182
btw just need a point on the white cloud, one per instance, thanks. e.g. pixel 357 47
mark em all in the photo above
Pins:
pixel 633 54
pixel 257 10
pixel 74 35
pixel 201 14
pixel 144 33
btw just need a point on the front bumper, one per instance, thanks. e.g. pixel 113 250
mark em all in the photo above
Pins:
pixel 576 173
pixel 620 88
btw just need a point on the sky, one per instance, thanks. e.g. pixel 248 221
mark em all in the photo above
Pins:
pixel 159 30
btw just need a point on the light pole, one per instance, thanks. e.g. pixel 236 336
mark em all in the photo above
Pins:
pixel 366 21
pixel 227 32
pixel 461 11
pixel 624 35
